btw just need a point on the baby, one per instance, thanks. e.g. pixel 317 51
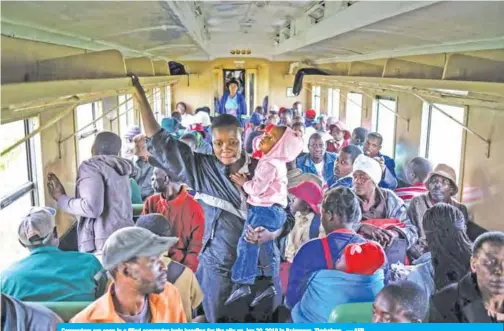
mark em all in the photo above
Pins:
pixel 267 200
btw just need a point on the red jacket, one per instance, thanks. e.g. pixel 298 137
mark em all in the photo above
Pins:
pixel 334 147
pixel 187 221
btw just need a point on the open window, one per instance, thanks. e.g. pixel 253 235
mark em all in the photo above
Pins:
pixel 333 102
pixel 126 112
pixel 316 98
pixel 384 122
pixel 85 116
pixel 353 117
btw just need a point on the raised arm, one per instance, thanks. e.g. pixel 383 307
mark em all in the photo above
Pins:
pixel 151 126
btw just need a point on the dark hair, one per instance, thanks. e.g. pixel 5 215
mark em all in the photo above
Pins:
pixel 361 133
pixel 204 109
pixel 410 297
pixel 288 111
pixel 492 237
pixel 233 81
pixel 316 135
pixel 177 115
pixel 190 137
pixel 155 223
pixel 444 227
pixel 421 168
pixel 343 202
pixel 181 103
pixel 376 135
pixel 259 109
pixel 225 120
pixel 353 150
pixel 294 105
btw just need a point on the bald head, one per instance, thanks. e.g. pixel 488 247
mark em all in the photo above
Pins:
pixel 106 143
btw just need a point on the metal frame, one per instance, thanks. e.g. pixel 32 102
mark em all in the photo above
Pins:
pixel 378 103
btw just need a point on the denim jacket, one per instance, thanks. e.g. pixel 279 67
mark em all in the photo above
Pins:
pixel 306 164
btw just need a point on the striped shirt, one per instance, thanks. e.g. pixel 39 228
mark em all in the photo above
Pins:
pixel 408 193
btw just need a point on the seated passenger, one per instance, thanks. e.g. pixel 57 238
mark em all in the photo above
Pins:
pixel 186 115
pixel 144 170
pixel 286 117
pixel 315 284
pixel 449 249
pixel 129 146
pixel 401 302
pixel 473 299
pixel 300 129
pixel 267 198
pixel 295 176
pixel 340 214
pixel 379 203
pixel 318 161
pixel 305 208
pixel 340 137
pixel 190 140
pixel 343 168
pixel 177 274
pixel 442 185
pixel 202 146
pixel 139 292
pixel 103 196
pixel 48 273
pixel 359 136
pixel 416 173
pixel 184 214
pixel 203 117
pixel 17 315
pixel 372 149
pixel 253 125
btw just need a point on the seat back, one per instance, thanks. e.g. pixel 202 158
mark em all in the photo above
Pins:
pixel 360 312
pixel 65 309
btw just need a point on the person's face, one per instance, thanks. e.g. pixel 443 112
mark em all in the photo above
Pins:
pixel 181 109
pixel 233 88
pixel 140 146
pixel 344 166
pixel 159 180
pixel 317 149
pixel 372 147
pixel 149 274
pixel 337 134
pixel 488 266
pixel 355 140
pixel 363 184
pixel 286 118
pixel 227 144
pixel 189 143
pixel 298 108
pixel 387 310
pixel 440 188
pixel 269 139
pixel 298 205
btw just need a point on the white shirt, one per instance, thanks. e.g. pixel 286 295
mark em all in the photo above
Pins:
pixel 320 169
pixel 187 120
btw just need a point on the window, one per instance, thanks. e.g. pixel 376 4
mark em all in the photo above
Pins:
pixel 384 122
pixel 168 100
pixel 84 115
pixel 316 98
pixel 156 96
pixel 333 102
pixel 126 113
pixel 441 138
pixel 18 192
pixel 353 110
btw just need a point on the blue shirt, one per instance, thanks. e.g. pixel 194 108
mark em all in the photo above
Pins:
pixel 340 182
pixel 389 177
pixel 306 164
pixel 232 106
pixel 50 274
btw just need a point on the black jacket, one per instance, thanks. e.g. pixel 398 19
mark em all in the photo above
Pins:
pixel 459 303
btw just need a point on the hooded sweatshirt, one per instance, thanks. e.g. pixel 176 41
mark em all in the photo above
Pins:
pixel 269 184
pixel 102 200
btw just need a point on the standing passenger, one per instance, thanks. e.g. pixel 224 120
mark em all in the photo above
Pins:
pixel 224 206
pixel 232 101
pixel 102 198
pixel 144 169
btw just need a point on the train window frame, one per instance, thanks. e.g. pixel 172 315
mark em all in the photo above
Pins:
pixel 425 148
pixel 157 104
pixel 83 154
pixel 316 98
pixel 126 115
pixel 167 100
pixel 31 185
pixel 333 102
pixel 349 120
pixel 389 142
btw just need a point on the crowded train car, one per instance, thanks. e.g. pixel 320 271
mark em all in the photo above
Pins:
pixel 251 161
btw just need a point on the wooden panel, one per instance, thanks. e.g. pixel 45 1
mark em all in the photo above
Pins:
pixel 463 67
pixel 404 69
pixel 365 69
pixel 142 66
pixel 161 68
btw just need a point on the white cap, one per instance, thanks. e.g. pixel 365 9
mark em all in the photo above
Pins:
pixel 369 166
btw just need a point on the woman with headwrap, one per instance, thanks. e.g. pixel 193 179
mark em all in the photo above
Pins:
pixel 233 101
pixel 448 258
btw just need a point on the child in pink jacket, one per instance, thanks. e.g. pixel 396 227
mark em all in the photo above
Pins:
pixel 267 200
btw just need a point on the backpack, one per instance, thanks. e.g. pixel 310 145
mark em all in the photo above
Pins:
pixel 178 69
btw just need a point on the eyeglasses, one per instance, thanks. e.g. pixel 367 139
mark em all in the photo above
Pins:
pixel 441 180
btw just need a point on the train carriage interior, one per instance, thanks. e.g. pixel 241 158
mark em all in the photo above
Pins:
pixel 427 76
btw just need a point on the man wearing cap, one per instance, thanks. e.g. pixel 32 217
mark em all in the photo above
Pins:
pixel 309 122
pixel 48 273
pixel 203 117
pixel 379 203
pixel 144 170
pixel 442 186
pixel 103 194
pixel 273 115
pixel 340 137
pixel 372 149
pixel 185 215
pixel 139 292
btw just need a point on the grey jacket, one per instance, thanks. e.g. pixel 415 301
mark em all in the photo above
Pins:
pixel 27 317
pixel 423 274
pixel 102 200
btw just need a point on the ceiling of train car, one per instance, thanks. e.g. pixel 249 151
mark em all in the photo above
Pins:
pixel 187 30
